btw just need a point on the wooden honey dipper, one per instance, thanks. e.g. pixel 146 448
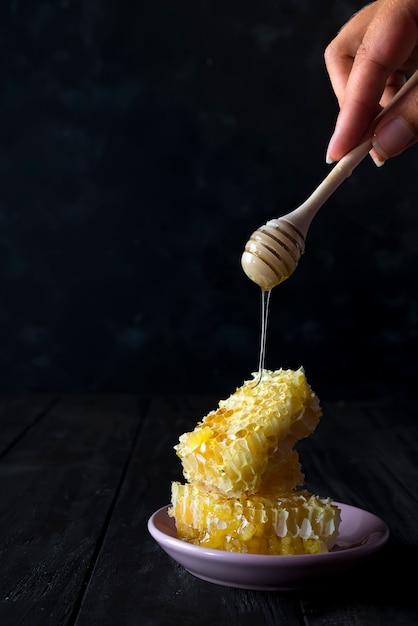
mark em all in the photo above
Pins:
pixel 273 251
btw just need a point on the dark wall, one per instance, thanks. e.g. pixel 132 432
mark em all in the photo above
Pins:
pixel 141 144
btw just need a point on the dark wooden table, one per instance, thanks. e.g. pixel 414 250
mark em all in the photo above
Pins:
pixel 80 476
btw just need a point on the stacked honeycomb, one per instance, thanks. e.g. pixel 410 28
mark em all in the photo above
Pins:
pixel 243 474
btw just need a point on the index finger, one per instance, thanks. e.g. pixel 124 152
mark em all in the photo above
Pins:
pixel 341 51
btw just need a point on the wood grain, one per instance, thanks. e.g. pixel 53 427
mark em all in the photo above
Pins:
pixel 80 476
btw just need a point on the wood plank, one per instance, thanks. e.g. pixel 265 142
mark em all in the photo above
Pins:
pixel 58 485
pixel 365 457
pixel 18 413
pixel 79 485
pixel 134 580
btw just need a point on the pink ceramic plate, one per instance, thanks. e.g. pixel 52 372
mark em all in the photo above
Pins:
pixel 361 534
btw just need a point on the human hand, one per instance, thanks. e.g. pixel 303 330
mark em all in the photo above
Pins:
pixel 368 62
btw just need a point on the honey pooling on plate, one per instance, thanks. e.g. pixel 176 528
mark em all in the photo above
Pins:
pixel 244 482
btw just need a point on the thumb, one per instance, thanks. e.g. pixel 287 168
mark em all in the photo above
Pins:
pixel 398 128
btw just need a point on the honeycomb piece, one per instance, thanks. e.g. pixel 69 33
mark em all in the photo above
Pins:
pixel 282 475
pixel 250 436
pixel 292 523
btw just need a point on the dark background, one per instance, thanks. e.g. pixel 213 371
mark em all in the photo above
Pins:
pixel 141 144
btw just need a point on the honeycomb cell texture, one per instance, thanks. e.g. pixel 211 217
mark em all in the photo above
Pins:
pixel 244 481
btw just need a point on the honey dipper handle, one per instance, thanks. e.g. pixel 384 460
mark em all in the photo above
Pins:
pixel 304 214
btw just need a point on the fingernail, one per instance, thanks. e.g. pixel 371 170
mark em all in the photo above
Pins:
pixel 377 159
pixel 328 159
pixel 392 138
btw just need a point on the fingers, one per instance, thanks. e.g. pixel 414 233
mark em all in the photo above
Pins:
pixel 398 129
pixel 341 52
pixel 394 82
pixel 366 63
